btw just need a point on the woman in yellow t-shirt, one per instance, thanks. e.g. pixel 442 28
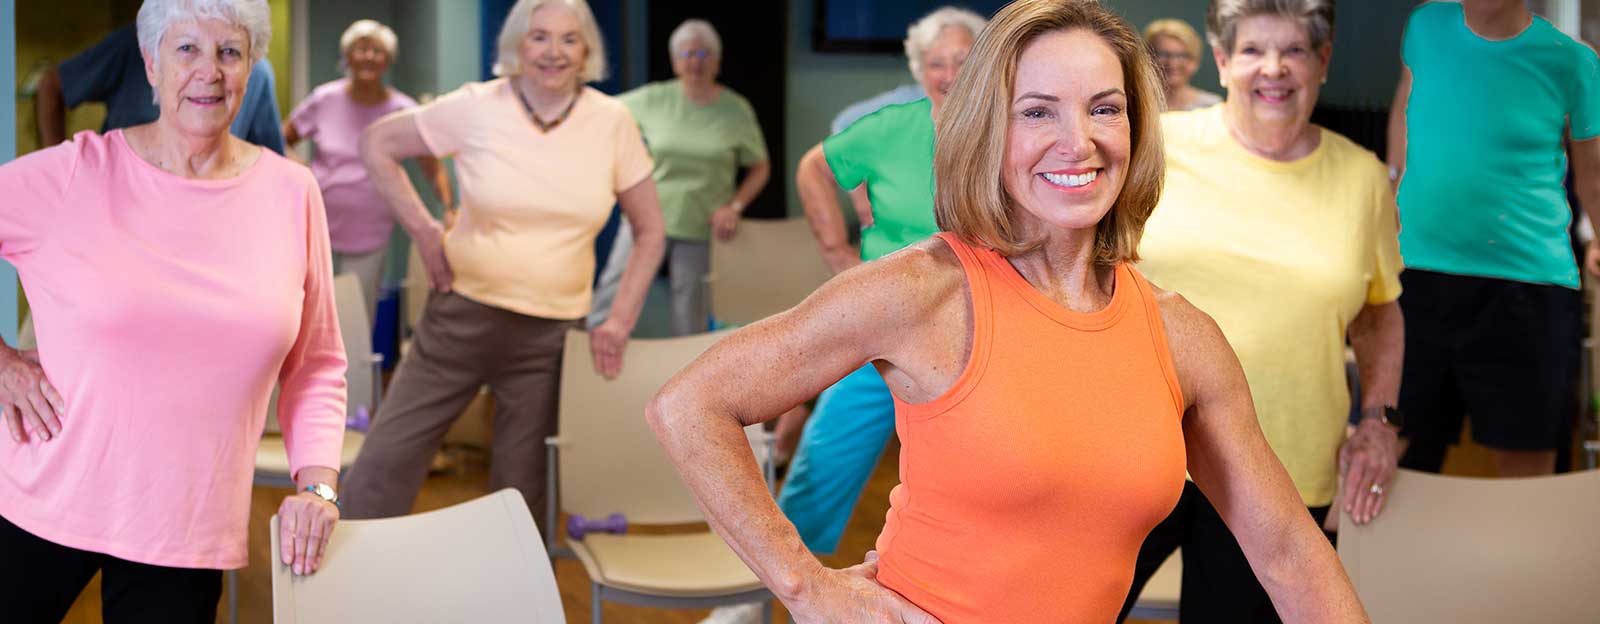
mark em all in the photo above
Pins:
pixel 1284 232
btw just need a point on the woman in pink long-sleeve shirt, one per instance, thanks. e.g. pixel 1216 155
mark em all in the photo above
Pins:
pixel 176 274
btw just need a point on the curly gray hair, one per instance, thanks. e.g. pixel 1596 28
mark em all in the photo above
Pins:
pixel 922 33
pixel 1222 19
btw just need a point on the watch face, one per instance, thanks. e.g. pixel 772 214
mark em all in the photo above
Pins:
pixel 323 491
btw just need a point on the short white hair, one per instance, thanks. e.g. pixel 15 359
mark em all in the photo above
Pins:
pixel 690 30
pixel 508 63
pixel 156 16
pixel 369 29
pixel 922 33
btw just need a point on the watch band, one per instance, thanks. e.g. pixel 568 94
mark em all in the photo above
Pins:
pixel 324 492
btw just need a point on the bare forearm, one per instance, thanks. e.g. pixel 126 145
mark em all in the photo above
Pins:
pixel 50 110
pixel 1304 577
pixel 436 173
pixel 311 475
pixel 389 177
pixel 713 456
pixel 1378 335
pixel 649 245
pixel 754 181
pixel 819 196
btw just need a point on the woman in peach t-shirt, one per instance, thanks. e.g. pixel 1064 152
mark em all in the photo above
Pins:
pixel 175 274
pixel 1048 398
pixel 541 159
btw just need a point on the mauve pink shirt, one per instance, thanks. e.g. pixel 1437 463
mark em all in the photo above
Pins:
pixel 166 308
pixel 358 220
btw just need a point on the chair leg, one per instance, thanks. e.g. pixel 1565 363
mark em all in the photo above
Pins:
pixel 594 602
pixel 233 596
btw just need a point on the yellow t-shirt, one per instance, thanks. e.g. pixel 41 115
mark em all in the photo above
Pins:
pixel 531 202
pixel 1283 255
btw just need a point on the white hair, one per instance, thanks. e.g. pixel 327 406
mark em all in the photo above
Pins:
pixel 509 63
pixel 692 29
pixel 156 16
pixel 369 29
pixel 922 33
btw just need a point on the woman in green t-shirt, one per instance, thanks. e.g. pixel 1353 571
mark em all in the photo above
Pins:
pixel 700 134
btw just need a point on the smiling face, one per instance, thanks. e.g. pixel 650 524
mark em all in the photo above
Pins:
pixel 200 75
pixel 1069 136
pixel 367 60
pixel 1177 64
pixel 695 63
pixel 1273 73
pixel 942 62
pixel 553 52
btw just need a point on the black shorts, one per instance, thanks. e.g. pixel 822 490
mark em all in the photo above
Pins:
pixel 1504 353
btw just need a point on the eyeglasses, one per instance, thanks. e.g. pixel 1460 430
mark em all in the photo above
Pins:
pixel 698 54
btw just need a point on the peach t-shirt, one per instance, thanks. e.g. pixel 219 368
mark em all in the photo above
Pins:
pixel 531 202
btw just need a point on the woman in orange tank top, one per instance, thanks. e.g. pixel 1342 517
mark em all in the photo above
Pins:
pixel 1048 398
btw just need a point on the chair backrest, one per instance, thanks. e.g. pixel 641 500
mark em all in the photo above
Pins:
pixel 769 267
pixel 1454 549
pixel 416 290
pixel 609 460
pixel 351 307
pixel 480 561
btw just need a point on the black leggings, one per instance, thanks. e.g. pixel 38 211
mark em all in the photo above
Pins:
pixel 39 581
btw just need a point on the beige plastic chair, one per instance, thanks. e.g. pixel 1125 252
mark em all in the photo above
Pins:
pixel 606 460
pixel 1159 600
pixel 769 267
pixel 480 561
pixel 363 389
pixel 1468 551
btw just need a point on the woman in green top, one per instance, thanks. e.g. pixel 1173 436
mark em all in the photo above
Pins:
pixel 700 133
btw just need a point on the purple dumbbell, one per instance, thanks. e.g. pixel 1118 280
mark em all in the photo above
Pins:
pixel 579 526
pixel 361 420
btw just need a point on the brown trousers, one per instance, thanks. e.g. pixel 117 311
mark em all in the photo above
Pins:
pixel 459 346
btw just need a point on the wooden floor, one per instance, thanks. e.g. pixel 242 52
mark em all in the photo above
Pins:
pixel 447 489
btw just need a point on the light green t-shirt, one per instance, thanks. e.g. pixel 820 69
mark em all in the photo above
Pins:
pixel 1483 191
pixel 698 150
pixel 890 150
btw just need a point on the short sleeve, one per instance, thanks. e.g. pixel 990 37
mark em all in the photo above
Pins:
pixel 305 116
pixel 1584 118
pixel 35 188
pixel 96 73
pixel 444 123
pixel 1384 286
pixel 848 152
pixel 750 147
pixel 633 162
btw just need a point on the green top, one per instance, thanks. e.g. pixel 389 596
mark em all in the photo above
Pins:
pixel 697 149
pixel 891 151
pixel 1483 190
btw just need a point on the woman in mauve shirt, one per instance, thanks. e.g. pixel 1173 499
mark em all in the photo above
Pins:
pixel 176 274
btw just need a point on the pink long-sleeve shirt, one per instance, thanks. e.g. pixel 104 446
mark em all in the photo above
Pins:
pixel 165 309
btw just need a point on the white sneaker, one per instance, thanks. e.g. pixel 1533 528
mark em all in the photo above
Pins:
pixel 737 614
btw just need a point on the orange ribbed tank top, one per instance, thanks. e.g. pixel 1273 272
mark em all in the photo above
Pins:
pixel 1027 488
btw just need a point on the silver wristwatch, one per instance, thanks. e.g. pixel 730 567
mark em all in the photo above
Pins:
pixel 324 492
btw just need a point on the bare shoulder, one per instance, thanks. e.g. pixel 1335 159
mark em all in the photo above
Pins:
pixel 1200 352
pixel 914 280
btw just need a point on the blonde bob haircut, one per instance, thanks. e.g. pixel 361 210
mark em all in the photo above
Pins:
pixel 1178 31
pixel 509 63
pixel 971 200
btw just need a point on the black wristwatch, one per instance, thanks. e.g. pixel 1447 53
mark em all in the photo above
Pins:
pixel 1388 415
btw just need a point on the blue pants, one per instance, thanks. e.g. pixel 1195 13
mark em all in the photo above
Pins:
pixel 839 448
